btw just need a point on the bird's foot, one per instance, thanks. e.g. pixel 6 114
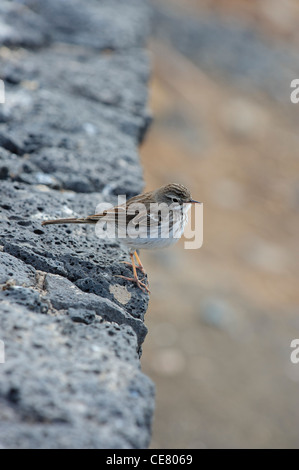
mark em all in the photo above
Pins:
pixel 138 266
pixel 139 283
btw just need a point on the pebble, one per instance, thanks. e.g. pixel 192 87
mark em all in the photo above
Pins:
pixel 217 312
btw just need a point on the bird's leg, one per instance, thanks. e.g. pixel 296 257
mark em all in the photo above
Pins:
pixel 139 266
pixel 130 264
pixel 139 283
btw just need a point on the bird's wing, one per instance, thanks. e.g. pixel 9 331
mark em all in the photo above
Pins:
pixel 108 214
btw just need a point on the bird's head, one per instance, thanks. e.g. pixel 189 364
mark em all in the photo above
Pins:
pixel 174 193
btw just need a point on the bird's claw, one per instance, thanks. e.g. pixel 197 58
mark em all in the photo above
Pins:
pixel 139 283
pixel 141 268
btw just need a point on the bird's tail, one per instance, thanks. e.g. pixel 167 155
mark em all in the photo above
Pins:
pixel 74 220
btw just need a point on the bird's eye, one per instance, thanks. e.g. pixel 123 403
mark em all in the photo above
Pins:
pixel 175 199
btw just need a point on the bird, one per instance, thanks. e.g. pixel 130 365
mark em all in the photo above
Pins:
pixel 151 220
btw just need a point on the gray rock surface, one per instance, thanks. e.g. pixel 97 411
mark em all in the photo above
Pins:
pixel 76 90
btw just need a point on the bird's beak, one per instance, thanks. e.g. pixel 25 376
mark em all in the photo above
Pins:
pixel 194 202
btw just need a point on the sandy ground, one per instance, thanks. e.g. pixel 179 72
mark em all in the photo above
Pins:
pixel 221 318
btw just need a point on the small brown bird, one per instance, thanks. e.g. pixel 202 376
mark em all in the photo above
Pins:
pixel 152 220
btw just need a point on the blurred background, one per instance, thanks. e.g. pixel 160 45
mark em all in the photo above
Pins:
pixel 221 318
